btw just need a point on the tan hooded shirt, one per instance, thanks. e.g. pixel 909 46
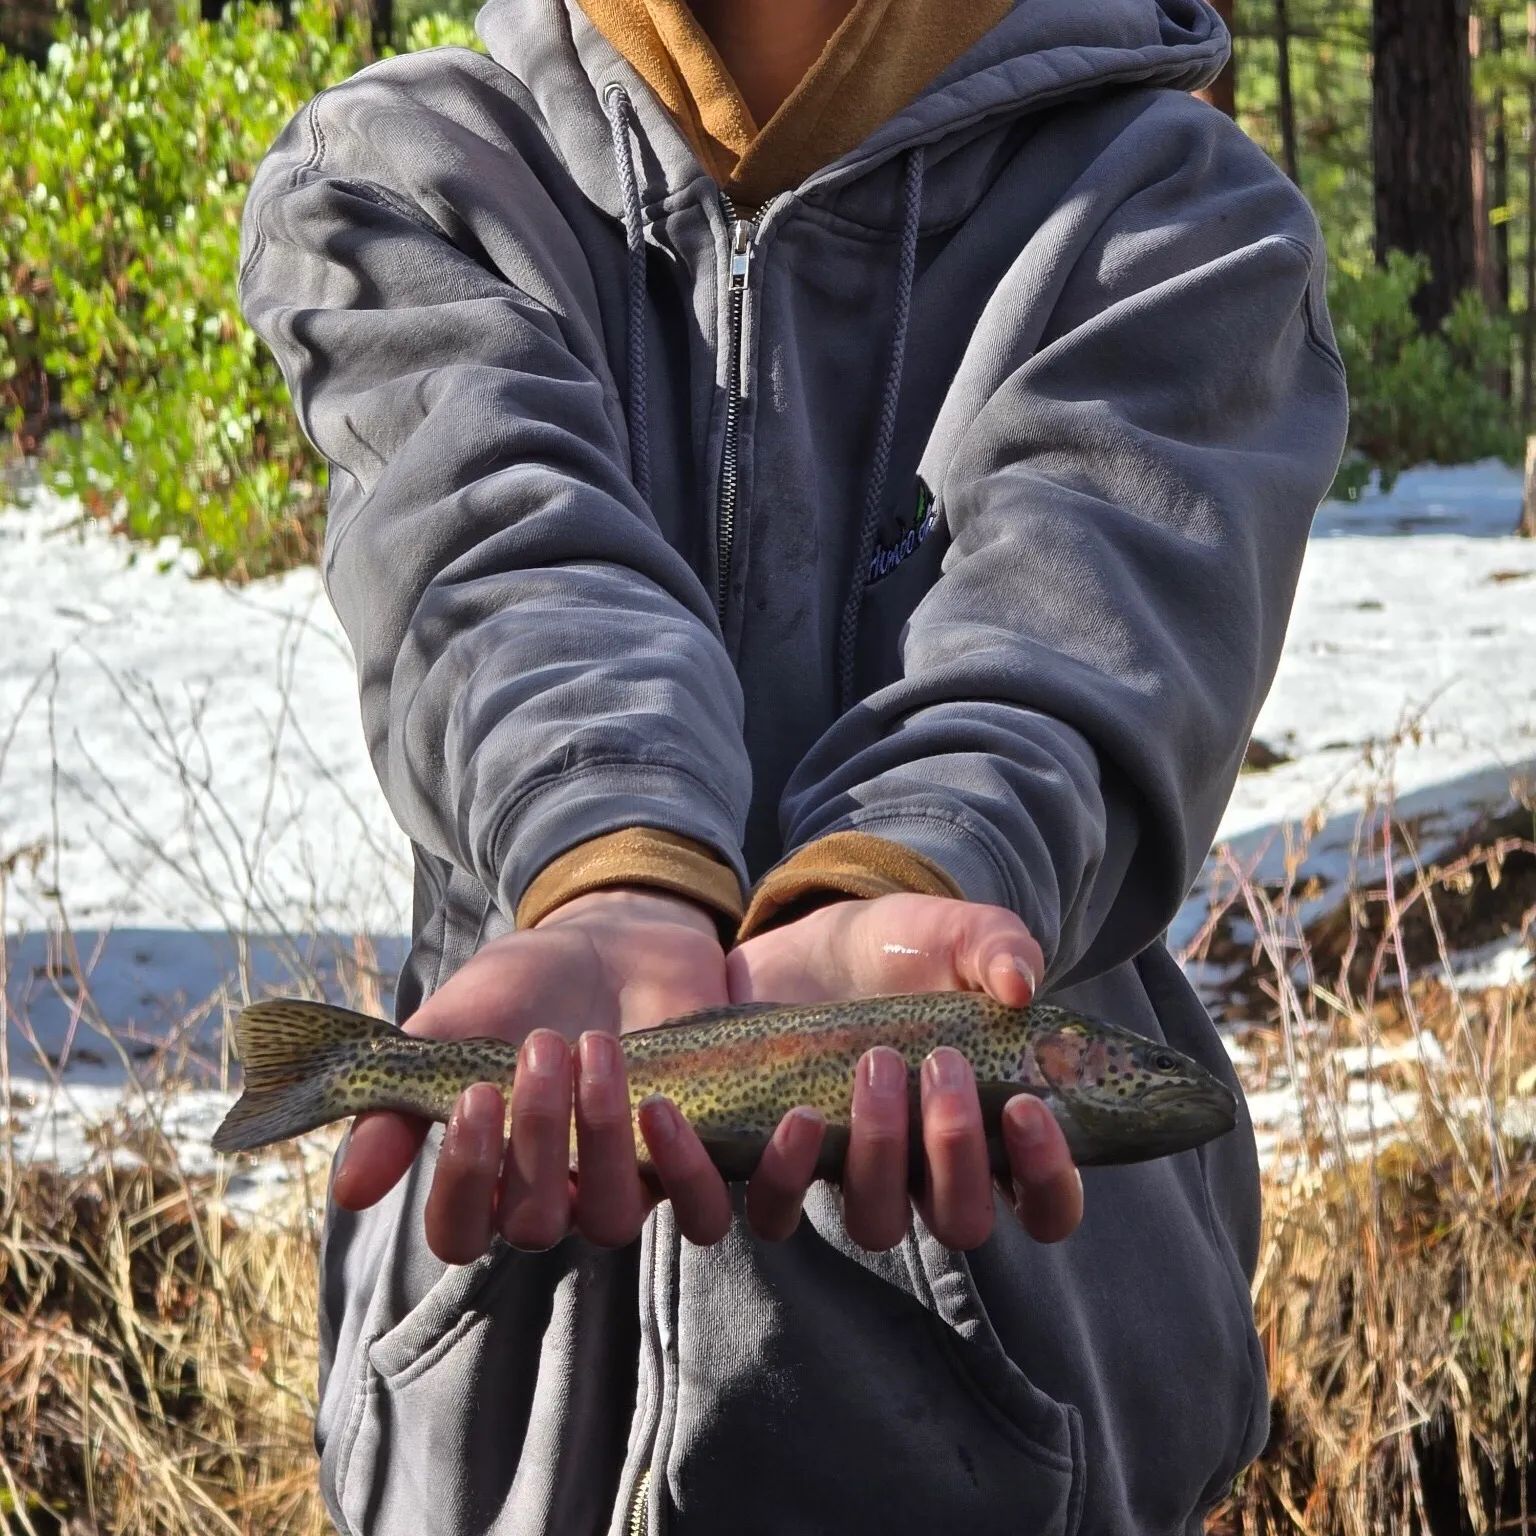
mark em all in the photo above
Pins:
pixel 876 62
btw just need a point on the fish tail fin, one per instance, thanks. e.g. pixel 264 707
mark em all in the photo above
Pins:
pixel 287 1048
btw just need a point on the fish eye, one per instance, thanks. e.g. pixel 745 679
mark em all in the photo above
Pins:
pixel 1164 1061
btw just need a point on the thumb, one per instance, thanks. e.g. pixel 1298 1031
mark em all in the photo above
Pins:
pixel 995 953
pixel 943 944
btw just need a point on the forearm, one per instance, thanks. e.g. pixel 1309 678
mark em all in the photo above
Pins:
pixel 537 666
pixel 1127 472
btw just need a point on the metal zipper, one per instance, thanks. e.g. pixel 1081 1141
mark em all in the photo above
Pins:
pixel 640 1508
pixel 742 233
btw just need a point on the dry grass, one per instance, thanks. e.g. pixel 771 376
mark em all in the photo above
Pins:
pixel 158 1356
pixel 158 1345
pixel 1396 1291
pixel 157 1359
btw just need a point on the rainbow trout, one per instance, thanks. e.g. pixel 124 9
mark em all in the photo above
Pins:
pixel 735 1072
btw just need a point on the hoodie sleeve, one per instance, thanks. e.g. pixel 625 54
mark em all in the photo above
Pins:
pixel 537 667
pixel 1128 464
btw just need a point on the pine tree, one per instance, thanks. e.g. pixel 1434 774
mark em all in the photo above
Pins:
pixel 1421 128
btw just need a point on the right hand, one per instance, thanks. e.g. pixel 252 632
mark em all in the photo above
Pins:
pixel 598 966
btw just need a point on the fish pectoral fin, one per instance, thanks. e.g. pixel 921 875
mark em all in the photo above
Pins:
pixel 735 1154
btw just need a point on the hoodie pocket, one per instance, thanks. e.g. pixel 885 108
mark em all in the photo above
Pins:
pixel 500 1403
pixel 943 1281
pixel 818 1390
pixel 408 1427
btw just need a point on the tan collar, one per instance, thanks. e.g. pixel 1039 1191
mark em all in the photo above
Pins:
pixel 876 62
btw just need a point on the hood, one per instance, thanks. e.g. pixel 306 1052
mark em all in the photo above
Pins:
pixel 1042 52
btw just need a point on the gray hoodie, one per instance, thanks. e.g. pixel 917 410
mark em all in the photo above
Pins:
pixel 957 497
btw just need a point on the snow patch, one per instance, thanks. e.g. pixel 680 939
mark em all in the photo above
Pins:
pixel 186 800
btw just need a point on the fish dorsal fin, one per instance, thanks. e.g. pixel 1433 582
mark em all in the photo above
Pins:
pixel 278 1040
pixel 725 1014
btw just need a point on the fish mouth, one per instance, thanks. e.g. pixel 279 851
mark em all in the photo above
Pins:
pixel 1178 1120
pixel 1209 1110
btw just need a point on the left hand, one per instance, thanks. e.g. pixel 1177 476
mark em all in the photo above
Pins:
pixel 896 944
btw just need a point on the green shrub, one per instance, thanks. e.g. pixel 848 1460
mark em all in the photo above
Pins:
pixel 124 165
pixel 442 29
pixel 124 170
pixel 1416 398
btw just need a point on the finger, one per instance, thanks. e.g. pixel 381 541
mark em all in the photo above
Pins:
pixel 776 1190
pixel 875 1205
pixel 693 1184
pixel 958 1204
pixel 381 1145
pixel 610 1201
pixel 458 1213
pixel 534 1209
pixel 1048 1190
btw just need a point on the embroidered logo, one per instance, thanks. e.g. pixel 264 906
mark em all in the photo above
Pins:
pixel 909 535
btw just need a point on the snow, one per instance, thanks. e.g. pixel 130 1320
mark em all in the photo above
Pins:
pixel 188 816
pixel 187 811
pixel 69 1123
pixel 179 753
pixel 1407 681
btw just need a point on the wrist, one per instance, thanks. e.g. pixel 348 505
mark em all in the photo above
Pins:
pixel 638 860
pixel 840 867
pixel 634 904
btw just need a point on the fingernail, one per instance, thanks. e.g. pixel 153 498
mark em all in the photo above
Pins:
pixel 476 1117
pixel 945 1069
pixel 599 1057
pixel 802 1126
pixel 885 1072
pixel 1027 971
pixel 660 1117
pixel 542 1053
pixel 1028 1117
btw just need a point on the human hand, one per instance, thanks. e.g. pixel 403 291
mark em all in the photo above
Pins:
pixel 598 966
pixel 897 944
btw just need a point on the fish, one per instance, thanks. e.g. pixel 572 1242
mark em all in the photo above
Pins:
pixel 735 1071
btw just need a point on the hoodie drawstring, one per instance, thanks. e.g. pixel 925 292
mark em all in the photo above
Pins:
pixel 912 202
pixel 619 110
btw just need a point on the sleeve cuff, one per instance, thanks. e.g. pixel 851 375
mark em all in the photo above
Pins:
pixel 838 866
pixel 642 856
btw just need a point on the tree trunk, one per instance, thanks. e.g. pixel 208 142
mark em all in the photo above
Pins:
pixel 1421 132
pixel 1482 207
pixel 382 15
pixel 1527 334
pixel 26 28
pixel 1527 528
pixel 1500 172
pixel 1222 91
pixel 1287 100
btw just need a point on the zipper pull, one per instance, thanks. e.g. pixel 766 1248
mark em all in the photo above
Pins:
pixel 742 231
